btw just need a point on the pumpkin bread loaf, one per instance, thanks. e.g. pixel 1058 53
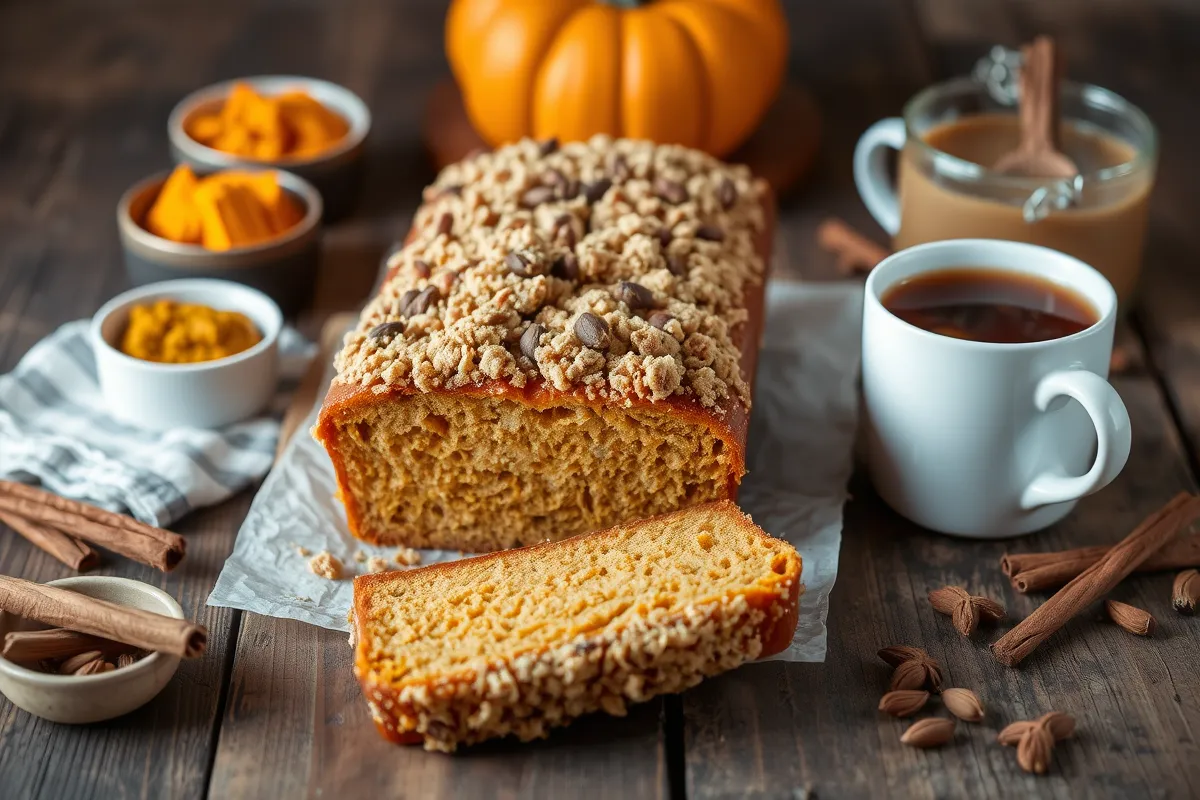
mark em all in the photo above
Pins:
pixel 565 342
pixel 524 640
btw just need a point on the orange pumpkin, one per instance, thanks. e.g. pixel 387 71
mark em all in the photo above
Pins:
pixel 695 72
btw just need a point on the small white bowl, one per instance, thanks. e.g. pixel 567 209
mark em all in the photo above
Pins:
pixel 207 394
pixel 77 699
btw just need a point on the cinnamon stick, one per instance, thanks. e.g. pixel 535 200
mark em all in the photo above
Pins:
pixel 78 612
pixel 1097 580
pixel 854 252
pixel 117 532
pixel 29 646
pixel 67 549
pixel 1031 572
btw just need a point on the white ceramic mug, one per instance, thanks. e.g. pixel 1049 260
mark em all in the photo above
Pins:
pixel 982 439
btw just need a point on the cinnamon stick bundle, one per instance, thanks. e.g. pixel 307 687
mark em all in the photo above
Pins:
pixel 1031 572
pixel 121 534
pixel 1097 580
pixel 67 549
pixel 77 612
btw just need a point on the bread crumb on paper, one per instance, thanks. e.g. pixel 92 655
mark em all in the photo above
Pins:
pixel 326 565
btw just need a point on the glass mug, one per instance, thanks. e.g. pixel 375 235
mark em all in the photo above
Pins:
pixel 1099 216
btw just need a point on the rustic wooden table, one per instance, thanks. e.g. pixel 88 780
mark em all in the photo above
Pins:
pixel 273 710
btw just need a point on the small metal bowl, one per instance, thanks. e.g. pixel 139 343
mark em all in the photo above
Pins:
pixel 285 267
pixel 77 699
pixel 336 172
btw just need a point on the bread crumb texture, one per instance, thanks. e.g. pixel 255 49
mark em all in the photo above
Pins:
pixel 326 565
pixel 523 641
pixel 613 268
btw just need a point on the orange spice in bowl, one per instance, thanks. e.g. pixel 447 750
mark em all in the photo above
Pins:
pixel 222 211
pixel 169 332
pixel 268 127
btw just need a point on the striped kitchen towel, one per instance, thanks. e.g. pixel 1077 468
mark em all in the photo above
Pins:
pixel 56 433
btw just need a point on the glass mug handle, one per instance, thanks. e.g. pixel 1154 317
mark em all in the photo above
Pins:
pixel 871 171
pixel 1108 413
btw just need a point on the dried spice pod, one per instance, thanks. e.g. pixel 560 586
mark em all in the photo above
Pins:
pixel 1012 733
pixel 1133 619
pixel 1035 750
pixel 914 668
pixel 963 703
pixel 1185 593
pixel 94 667
pixel 75 663
pixel 592 331
pixel 1061 725
pixel 903 702
pixel 530 340
pixel 964 608
pixel 929 732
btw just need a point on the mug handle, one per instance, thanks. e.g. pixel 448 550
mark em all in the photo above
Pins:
pixel 871 173
pixel 1108 413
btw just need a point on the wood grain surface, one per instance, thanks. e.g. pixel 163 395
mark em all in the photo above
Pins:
pixel 273 709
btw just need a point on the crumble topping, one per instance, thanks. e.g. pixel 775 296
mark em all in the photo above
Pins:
pixel 615 267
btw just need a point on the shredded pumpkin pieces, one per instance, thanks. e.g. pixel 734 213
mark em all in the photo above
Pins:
pixel 222 211
pixel 248 124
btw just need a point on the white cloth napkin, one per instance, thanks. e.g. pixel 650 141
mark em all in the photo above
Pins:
pixel 55 432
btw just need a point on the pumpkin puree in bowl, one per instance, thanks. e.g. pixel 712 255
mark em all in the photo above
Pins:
pixel 184 333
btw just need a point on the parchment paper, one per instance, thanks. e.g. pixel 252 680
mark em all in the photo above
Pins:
pixel 799 460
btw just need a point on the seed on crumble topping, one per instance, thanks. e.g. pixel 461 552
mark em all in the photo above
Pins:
pixel 566 267
pixel 422 268
pixel 634 295
pixel 710 233
pixel 445 223
pixel 386 330
pixel 659 319
pixel 594 192
pixel 726 194
pixel 530 340
pixel 523 263
pixel 536 196
pixel 592 331
pixel 671 191
pixel 548 146
pixel 664 236
pixel 427 297
pixel 620 168
pixel 677 264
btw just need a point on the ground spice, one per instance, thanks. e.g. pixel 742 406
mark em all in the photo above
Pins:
pixel 183 333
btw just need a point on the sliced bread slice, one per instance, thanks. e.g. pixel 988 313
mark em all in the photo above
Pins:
pixel 519 641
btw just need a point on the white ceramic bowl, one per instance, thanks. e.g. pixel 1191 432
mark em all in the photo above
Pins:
pixel 208 394
pixel 77 699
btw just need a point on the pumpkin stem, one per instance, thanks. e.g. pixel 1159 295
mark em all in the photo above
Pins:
pixel 626 3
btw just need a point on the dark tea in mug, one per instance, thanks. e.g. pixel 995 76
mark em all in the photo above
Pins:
pixel 989 305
